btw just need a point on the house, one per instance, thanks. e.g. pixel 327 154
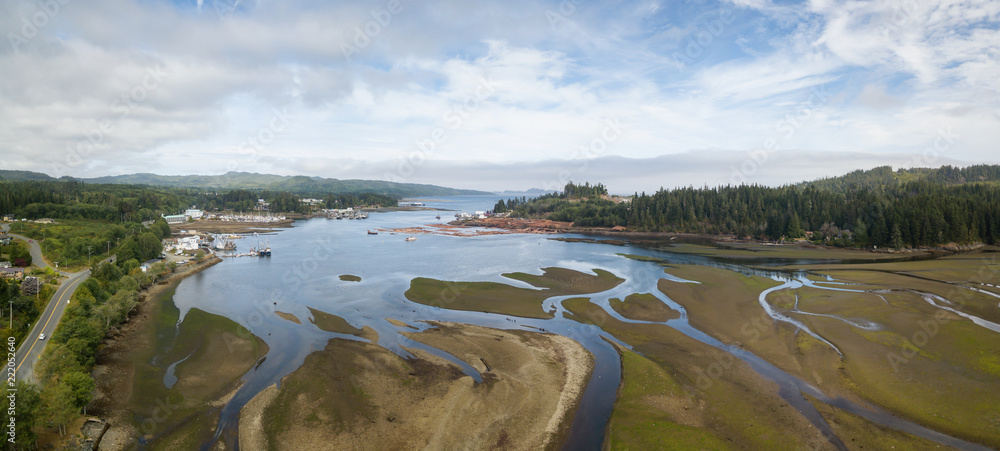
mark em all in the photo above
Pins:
pixel 45 221
pixel 5 265
pixel 12 273
pixel 188 243
pixel 175 219
pixel 5 241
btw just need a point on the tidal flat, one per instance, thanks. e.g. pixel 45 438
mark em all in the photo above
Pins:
pixel 358 395
pixel 771 348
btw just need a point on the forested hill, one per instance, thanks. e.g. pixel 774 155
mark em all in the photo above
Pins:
pixel 906 214
pixel 253 181
pixel 884 176
pixel 294 184
pixel 73 199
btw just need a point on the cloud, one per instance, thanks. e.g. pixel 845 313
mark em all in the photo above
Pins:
pixel 500 84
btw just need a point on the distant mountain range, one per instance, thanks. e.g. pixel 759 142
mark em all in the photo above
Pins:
pixel 252 181
pixel 530 192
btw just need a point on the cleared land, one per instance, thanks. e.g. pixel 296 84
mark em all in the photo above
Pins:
pixel 355 395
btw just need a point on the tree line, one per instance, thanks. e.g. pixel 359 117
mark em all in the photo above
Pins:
pixel 923 212
pixel 65 386
pixel 71 199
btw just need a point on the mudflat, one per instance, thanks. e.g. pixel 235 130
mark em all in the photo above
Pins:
pixel 208 355
pixel 356 395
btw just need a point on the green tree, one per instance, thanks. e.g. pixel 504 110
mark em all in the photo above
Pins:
pixel 128 250
pixel 897 237
pixel 56 360
pixel 164 227
pixel 860 233
pixel 81 387
pixel 57 405
pixel 795 227
pixel 149 246
pixel 26 415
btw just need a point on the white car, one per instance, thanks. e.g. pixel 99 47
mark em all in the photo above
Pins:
pixel 41 337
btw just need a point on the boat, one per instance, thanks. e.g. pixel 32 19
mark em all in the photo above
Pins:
pixel 411 238
pixel 439 216
pixel 370 232
pixel 224 244
pixel 264 251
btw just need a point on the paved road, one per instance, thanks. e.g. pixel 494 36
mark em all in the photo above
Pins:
pixel 31 349
pixel 36 249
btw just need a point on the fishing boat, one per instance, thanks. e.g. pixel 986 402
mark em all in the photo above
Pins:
pixel 224 244
pixel 265 250
pixel 372 232
pixel 439 216
pixel 411 238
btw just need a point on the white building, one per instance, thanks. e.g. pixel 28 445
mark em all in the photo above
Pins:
pixel 187 243
pixel 194 213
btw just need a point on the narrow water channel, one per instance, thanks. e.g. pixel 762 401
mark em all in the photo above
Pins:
pixel 308 259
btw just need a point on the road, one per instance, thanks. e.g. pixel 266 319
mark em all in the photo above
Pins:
pixel 31 349
pixel 36 250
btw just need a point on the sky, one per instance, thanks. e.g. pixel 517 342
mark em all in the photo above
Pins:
pixel 503 95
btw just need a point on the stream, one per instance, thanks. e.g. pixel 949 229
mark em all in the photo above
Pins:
pixel 308 259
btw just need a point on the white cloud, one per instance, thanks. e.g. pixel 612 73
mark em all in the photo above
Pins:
pixel 893 76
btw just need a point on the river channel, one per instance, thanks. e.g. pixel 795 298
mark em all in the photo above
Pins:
pixel 308 259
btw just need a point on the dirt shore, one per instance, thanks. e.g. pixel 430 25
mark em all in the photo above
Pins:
pixel 114 373
pixel 532 383
pixel 232 226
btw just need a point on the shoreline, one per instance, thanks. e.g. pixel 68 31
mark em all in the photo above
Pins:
pixel 113 387
pixel 531 391
pixel 544 226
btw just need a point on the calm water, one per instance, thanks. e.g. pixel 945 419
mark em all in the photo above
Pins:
pixel 308 259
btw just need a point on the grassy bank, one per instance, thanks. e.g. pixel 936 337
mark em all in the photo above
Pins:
pixel 700 395
pixel 506 299
pixel 899 351
pixel 190 367
pixel 644 307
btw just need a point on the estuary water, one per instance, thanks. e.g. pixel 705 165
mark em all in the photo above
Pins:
pixel 307 260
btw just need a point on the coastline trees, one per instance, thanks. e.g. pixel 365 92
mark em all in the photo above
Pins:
pixel 910 214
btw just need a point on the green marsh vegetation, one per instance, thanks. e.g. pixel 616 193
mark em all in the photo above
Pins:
pixel 507 299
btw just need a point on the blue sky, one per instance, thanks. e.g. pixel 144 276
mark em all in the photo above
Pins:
pixel 499 95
